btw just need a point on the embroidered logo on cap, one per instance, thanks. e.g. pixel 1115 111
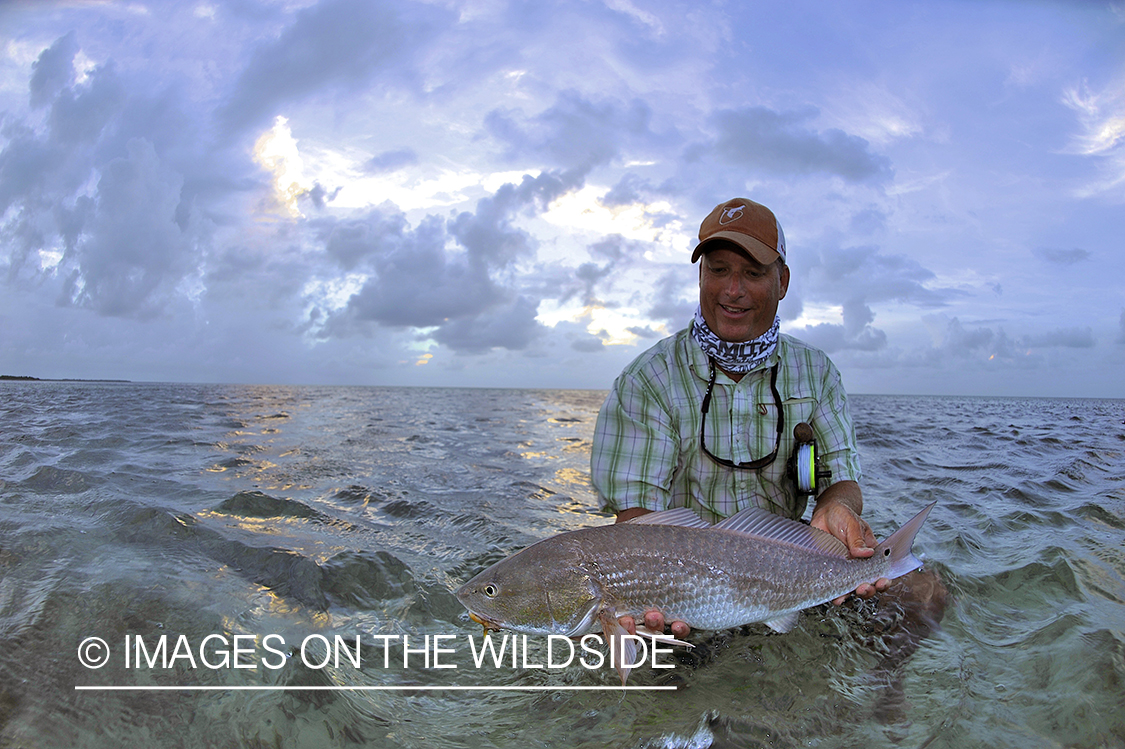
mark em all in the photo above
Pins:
pixel 731 214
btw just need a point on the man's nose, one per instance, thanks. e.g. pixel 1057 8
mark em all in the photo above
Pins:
pixel 736 287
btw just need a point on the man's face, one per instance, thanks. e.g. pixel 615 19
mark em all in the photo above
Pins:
pixel 739 295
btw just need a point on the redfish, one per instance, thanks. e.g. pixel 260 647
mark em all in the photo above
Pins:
pixel 752 567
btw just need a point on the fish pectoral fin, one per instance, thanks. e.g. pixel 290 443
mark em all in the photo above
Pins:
pixel 783 624
pixel 622 648
pixel 662 638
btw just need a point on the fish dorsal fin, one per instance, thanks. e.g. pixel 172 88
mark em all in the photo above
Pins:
pixel 678 516
pixel 760 523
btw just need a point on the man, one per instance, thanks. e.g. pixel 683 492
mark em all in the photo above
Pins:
pixel 694 421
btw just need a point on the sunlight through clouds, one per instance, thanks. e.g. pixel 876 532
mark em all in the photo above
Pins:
pixel 276 152
pixel 582 212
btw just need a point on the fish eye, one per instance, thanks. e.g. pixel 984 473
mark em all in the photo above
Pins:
pixel 491 590
pixel 886 552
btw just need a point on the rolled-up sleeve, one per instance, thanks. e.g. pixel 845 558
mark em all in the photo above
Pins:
pixel 832 423
pixel 635 447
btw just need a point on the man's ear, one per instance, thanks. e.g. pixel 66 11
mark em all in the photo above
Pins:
pixel 784 281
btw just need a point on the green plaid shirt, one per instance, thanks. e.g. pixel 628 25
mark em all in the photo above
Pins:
pixel 646 443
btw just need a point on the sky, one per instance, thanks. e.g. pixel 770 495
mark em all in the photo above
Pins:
pixel 506 194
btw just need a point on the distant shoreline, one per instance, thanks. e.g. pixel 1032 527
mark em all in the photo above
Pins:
pixel 17 378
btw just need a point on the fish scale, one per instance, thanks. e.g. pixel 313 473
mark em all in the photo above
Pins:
pixel 719 581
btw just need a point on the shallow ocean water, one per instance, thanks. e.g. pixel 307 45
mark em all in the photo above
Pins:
pixel 217 516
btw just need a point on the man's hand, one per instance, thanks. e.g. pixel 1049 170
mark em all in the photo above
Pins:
pixel 654 622
pixel 837 513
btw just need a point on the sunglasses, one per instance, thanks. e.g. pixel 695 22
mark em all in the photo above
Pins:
pixel 754 464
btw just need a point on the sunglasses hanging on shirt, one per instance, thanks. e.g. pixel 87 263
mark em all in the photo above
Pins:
pixel 804 466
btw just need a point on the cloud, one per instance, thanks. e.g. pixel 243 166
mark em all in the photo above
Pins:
pixel 1101 116
pixel 1101 121
pixel 782 144
pixel 449 275
pixel 319 195
pixel 417 282
pixel 854 278
pixel 390 161
pixel 333 46
pixel 350 241
pixel 674 299
pixel 1121 328
pixel 82 115
pixel 510 326
pixel 1061 338
pixel 629 190
pixel 131 245
pixel 591 281
pixel 577 133
pixel 90 189
pixel 54 70
pixel 954 340
pixel 832 338
pixel 1062 257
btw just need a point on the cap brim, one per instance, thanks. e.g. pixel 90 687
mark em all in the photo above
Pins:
pixel 758 250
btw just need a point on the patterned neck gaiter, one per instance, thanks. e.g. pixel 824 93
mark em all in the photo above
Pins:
pixel 737 358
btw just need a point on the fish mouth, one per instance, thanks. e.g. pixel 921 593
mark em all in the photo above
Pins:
pixel 488 624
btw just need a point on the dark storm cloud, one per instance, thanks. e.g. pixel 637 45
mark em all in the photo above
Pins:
pixel 419 283
pixel 92 186
pixel 330 46
pixel 443 273
pixel 510 326
pixel 782 143
pixel 132 245
pixel 53 71
pixel 350 241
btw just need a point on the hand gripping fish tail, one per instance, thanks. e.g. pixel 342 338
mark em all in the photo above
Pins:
pixel 752 567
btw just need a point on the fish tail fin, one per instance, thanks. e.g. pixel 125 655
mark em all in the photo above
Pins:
pixel 898 545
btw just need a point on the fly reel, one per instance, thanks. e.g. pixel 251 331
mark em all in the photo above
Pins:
pixel 805 466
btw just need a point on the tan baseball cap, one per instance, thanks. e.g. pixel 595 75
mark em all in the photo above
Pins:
pixel 750 225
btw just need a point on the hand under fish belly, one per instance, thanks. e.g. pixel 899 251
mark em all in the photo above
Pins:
pixel 752 567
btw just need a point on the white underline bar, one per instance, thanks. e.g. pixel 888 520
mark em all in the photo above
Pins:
pixel 395 688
